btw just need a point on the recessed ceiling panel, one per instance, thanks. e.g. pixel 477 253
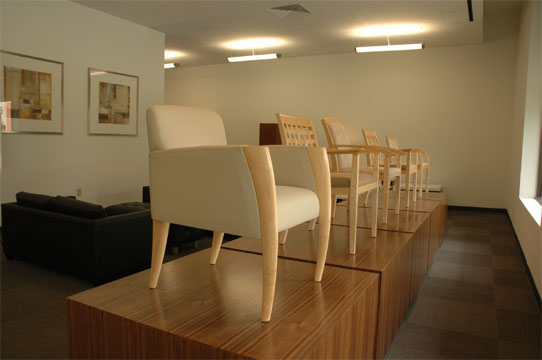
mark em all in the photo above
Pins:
pixel 199 29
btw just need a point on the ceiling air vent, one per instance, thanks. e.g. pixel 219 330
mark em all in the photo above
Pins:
pixel 285 10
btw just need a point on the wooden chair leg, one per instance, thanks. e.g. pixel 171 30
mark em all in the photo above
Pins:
pixel 366 199
pixel 160 230
pixel 415 186
pixel 420 189
pixel 312 224
pixel 374 220
pixel 215 247
pixel 353 220
pixel 397 194
pixel 270 260
pixel 407 188
pixel 320 166
pixel 282 236
pixel 261 169
pixel 333 205
pixel 386 185
pixel 427 180
pixel 324 225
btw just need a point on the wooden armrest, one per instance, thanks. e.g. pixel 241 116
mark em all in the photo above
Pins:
pixel 411 150
pixel 424 154
pixel 383 150
pixel 350 151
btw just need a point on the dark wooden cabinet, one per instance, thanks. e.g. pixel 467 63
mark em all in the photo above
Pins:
pixel 269 134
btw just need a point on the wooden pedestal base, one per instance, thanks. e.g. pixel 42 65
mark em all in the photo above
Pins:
pixel 398 258
pixel 213 311
pixel 432 207
pixel 439 196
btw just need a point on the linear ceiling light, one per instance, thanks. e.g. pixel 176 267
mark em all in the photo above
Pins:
pixel 253 57
pixel 170 65
pixel 362 49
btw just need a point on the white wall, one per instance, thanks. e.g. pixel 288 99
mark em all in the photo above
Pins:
pixel 454 102
pixel 526 138
pixel 109 169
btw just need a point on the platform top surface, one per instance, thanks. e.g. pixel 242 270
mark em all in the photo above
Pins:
pixel 219 305
pixel 406 221
pixel 372 254
pixel 440 196
pixel 420 205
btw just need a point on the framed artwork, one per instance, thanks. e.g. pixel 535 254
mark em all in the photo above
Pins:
pixel 31 93
pixel 112 103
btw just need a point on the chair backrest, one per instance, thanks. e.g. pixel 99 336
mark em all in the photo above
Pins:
pixel 370 139
pixel 296 131
pixel 392 142
pixel 337 134
pixel 171 126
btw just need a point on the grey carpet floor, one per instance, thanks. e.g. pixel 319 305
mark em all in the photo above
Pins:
pixel 33 321
pixel 475 302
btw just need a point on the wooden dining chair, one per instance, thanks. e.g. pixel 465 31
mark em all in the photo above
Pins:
pixel 337 136
pixel 423 163
pixel 197 180
pixel 352 182
pixel 408 167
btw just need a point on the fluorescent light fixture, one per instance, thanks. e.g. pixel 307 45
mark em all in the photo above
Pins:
pixel 247 44
pixel 254 57
pixel 390 30
pixel 362 49
pixel 170 65
pixel 172 54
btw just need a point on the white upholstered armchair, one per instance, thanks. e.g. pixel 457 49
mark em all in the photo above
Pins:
pixel 197 180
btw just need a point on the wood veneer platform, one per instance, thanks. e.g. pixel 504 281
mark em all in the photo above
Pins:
pixel 432 207
pixel 396 257
pixel 205 311
pixel 439 196
pixel 415 223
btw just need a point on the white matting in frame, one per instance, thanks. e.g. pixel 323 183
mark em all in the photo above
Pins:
pixel 112 103
pixel 34 89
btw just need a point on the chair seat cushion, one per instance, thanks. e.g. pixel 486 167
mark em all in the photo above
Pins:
pixel 295 205
pixel 344 181
pixel 412 167
pixel 392 172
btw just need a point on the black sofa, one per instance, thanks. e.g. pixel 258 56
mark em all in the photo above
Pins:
pixel 78 238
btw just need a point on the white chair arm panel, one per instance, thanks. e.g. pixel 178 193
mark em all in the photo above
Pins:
pixel 292 166
pixel 217 193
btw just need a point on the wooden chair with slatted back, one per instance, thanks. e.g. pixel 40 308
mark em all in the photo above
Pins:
pixel 408 167
pixel 423 163
pixel 337 136
pixel 298 131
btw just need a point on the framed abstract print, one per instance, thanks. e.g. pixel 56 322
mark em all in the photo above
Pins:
pixel 112 103
pixel 31 93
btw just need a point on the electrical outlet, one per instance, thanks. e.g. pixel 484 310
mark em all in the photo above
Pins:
pixel 79 191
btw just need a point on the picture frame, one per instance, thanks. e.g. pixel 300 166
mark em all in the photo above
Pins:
pixel 32 94
pixel 112 103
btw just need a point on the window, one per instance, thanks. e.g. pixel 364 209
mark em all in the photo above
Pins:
pixel 539 191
